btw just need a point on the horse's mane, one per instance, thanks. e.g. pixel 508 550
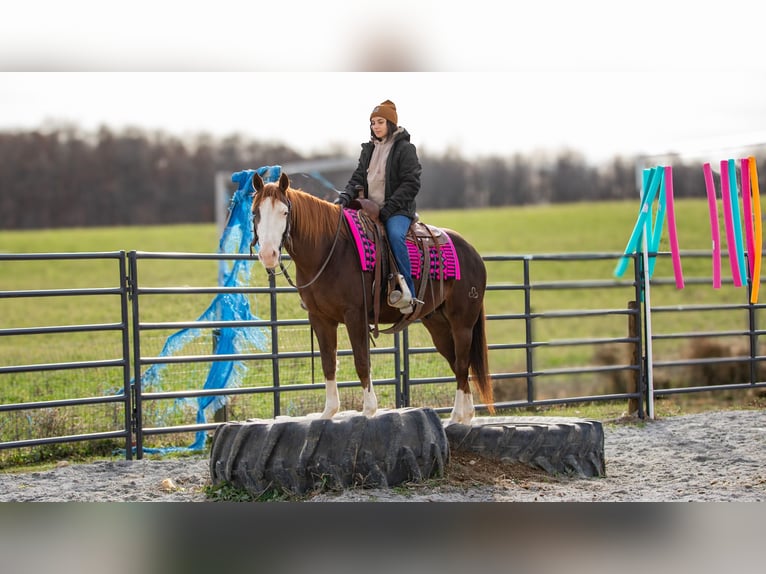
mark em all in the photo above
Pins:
pixel 314 217
pixel 311 217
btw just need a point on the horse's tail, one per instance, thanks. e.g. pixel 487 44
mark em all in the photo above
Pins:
pixel 479 363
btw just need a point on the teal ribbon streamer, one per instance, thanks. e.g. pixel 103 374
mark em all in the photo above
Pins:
pixel 737 219
pixel 654 176
pixel 659 222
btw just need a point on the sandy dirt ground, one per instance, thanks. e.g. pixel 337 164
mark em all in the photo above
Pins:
pixel 712 456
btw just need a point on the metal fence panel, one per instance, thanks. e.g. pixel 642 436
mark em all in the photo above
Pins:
pixel 561 330
pixel 53 387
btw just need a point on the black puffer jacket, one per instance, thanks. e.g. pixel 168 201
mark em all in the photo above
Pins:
pixel 402 176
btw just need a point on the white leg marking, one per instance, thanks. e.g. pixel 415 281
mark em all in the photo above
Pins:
pixel 468 409
pixel 463 411
pixel 332 400
pixel 370 402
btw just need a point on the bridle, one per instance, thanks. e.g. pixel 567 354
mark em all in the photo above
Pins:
pixel 285 234
pixel 287 239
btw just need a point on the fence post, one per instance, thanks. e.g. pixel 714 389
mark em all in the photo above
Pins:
pixel 529 339
pixel 277 398
pixel 402 368
pixel 635 387
pixel 137 399
pixel 222 414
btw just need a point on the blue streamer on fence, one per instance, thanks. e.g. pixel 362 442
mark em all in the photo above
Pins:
pixel 236 238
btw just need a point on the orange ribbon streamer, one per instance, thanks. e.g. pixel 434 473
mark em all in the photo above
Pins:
pixel 756 279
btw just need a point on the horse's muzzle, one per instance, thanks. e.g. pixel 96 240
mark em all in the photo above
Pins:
pixel 269 258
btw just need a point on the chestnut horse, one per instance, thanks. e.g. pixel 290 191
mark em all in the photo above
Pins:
pixel 335 290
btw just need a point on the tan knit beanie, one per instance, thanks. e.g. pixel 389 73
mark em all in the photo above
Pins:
pixel 386 110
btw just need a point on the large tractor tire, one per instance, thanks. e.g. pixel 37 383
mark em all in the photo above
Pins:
pixel 557 445
pixel 300 455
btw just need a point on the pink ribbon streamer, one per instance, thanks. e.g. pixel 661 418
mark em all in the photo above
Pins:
pixel 672 233
pixel 715 232
pixel 731 242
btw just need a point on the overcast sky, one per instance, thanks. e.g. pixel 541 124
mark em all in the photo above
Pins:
pixel 602 78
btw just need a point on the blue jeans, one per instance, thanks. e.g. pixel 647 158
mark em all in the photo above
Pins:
pixel 396 230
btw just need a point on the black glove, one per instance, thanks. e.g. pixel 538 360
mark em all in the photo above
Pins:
pixel 343 199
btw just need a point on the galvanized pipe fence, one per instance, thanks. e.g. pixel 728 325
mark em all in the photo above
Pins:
pixel 561 330
pixel 29 338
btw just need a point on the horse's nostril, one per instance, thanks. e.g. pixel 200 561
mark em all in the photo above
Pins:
pixel 269 258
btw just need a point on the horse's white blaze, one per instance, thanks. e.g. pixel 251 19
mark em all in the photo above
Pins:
pixel 370 404
pixel 270 229
pixel 332 400
pixel 463 411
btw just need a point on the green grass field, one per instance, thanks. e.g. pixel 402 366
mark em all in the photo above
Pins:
pixel 567 228
pixel 537 230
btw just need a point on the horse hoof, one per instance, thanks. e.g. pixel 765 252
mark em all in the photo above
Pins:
pixel 452 421
pixel 459 420
pixel 328 414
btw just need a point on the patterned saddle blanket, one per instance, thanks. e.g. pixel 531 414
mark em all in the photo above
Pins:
pixel 427 245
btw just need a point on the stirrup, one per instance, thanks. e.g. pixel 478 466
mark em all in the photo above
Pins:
pixel 411 307
pixel 399 299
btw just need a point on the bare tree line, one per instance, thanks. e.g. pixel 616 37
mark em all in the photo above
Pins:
pixel 62 177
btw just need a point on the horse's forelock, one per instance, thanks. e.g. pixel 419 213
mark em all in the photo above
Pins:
pixel 269 190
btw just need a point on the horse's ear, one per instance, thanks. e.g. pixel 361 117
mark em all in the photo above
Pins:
pixel 257 182
pixel 284 182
